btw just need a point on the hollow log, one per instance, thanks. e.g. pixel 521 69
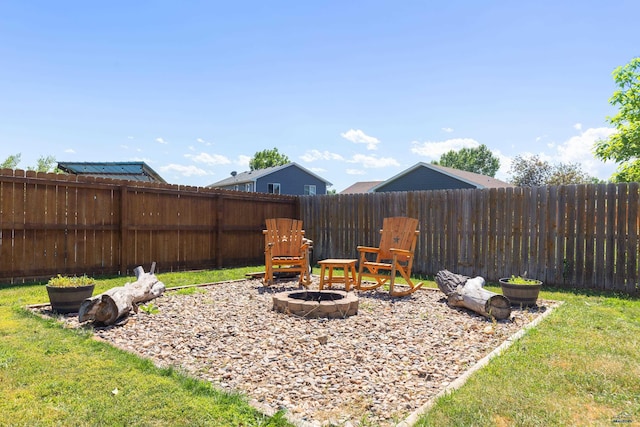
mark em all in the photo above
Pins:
pixel 474 297
pixel 116 303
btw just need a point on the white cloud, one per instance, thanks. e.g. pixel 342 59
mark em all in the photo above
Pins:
pixel 161 141
pixel 447 130
pixel 70 150
pixel 577 126
pixel 184 170
pixel 435 149
pixel 579 149
pixel 141 159
pixel 129 137
pixel 505 165
pixel 243 160
pixel 370 162
pixel 355 172
pixel 313 155
pixel 210 159
pixel 359 137
pixel 317 170
pixel 202 141
pixel 191 148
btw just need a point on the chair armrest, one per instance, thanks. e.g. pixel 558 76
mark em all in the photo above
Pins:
pixel 368 249
pixel 403 252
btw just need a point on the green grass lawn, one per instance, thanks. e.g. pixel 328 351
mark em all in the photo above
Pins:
pixel 580 366
pixel 55 376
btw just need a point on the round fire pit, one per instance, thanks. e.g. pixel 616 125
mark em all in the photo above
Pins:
pixel 330 304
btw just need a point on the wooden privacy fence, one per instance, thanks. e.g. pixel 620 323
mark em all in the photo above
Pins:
pixel 583 236
pixel 578 236
pixel 65 224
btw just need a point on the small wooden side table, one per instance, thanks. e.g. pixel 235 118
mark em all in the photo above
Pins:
pixel 347 265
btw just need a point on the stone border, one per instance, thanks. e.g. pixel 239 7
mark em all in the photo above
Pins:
pixel 336 309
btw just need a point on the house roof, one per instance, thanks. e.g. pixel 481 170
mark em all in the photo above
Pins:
pixel 360 187
pixel 131 171
pixel 475 179
pixel 252 176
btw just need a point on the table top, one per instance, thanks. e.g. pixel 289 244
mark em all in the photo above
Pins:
pixel 338 261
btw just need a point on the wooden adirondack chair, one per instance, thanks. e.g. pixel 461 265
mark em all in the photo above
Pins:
pixel 394 255
pixel 286 249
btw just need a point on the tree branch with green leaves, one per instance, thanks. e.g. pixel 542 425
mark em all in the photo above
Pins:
pixel 623 147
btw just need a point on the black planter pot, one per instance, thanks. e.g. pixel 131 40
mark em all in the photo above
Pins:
pixel 521 295
pixel 68 299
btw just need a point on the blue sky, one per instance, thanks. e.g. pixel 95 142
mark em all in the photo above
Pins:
pixel 352 90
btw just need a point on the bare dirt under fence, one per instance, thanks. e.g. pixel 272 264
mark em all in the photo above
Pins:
pixel 378 366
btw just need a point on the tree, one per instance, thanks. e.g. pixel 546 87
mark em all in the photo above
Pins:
pixel 11 162
pixel 479 160
pixel 45 164
pixel 529 171
pixel 533 171
pixel 624 146
pixel 570 173
pixel 267 158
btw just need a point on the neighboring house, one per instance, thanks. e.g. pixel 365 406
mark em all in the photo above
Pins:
pixel 427 176
pixel 291 179
pixel 131 171
pixel 360 187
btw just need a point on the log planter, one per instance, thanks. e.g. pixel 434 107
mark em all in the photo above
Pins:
pixel 521 294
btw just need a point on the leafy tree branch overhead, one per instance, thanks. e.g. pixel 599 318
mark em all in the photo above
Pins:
pixel 623 147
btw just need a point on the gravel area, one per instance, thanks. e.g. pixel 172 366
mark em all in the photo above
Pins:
pixel 374 368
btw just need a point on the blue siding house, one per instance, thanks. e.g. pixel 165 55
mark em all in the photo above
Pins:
pixel 291 179
pixel 427 176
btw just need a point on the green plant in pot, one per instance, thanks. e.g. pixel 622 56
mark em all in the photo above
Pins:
pixel 66 293
pixel 521 290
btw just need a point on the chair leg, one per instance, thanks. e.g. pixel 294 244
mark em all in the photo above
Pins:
pixel 412 287
pixel 305 276
pixel 411 290
pixel 268 274
pixel 372 272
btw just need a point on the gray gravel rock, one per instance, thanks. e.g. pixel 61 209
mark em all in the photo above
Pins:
pixel 376 367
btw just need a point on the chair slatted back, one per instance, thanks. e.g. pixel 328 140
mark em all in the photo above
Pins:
pixel 286 235
pixel 399 233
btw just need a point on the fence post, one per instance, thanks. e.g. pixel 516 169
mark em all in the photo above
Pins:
pixel 219 230
pixel 123 230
